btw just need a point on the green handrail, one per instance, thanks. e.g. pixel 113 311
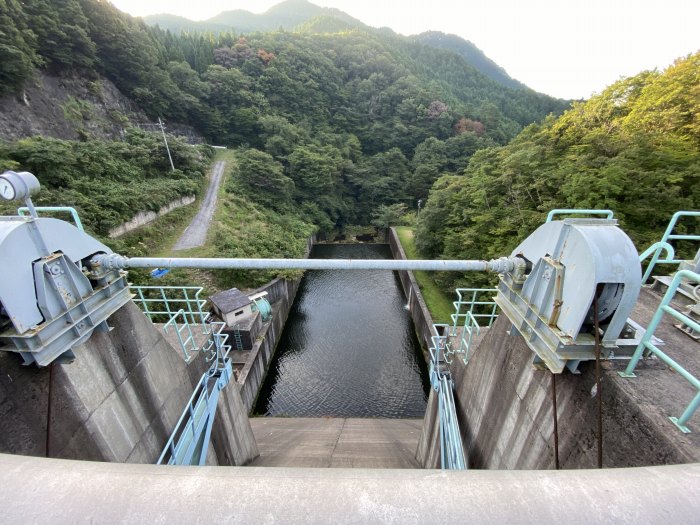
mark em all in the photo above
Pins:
pixel 646 345
pixel 668 235
pixel 24 211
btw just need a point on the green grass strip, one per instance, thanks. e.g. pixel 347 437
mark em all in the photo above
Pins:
pixel 439 305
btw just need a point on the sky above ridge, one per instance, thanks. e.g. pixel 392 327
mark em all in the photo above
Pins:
pixel 565 48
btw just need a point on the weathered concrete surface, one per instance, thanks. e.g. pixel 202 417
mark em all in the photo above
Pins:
pixel 118 401
pixel 422 320
pixel 428 449
pixel 196 233
pixel 253 372
pixel 146 217
pixel 505 408
pixel 59 491
pixel 336 442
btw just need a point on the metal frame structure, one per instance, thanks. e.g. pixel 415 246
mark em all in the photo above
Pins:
pixel 646 345
pixel 183 307
pixel 550 216
pixel 663 244
pixel 471 324
pixel 25 212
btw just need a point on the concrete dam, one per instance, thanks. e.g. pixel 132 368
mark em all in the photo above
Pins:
pixel 571 364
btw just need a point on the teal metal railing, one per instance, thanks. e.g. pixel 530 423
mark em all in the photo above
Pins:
pixel 180 307
pixel 662 245
pixel 550 216
pixel 189 441
pixel 183 330
pixel 472 305
pixel 646 345
pixel 451 450
pixel 24 211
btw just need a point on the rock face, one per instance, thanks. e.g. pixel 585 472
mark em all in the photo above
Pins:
pixel 68 108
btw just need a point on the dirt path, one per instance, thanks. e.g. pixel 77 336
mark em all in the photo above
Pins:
pixel 196 233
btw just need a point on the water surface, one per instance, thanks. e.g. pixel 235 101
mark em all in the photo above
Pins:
pixel 349 348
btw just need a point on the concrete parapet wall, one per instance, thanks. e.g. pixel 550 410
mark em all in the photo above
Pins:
pixel 428 450
pixel 69 492
pixel 118 401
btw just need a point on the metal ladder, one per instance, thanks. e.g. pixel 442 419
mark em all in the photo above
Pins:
pixel 237 337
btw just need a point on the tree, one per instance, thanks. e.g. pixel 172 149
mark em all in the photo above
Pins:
pixel 262 178
pixel 391 215
pixel 17 47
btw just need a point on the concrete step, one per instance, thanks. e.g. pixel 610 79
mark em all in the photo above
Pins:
pixel 336 442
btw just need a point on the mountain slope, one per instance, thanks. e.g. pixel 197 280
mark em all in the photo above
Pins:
pixel 285 15
pixel 178 24
pixel 471 54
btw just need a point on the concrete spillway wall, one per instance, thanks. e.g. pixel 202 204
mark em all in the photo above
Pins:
pixel 422 320
pixel 281 294
pixel 118 401
pixel 505 413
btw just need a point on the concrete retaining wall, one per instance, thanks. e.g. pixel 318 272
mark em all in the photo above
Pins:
pixel 146 217
pixel 118 401
pixel 281 294
pixel 422 320
pixel 505 414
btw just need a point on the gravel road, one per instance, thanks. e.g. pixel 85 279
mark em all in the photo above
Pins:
pixel 196 233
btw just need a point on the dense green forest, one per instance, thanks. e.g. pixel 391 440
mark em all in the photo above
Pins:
pixel 634 148
pixel 343 122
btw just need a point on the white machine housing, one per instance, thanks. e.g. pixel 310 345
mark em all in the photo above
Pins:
pixel 49 301
pixel 551 303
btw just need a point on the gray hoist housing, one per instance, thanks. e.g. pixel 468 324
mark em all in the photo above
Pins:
pixel 550 301
pixel 49 301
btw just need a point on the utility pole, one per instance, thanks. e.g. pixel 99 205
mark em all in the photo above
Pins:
pixel 162 130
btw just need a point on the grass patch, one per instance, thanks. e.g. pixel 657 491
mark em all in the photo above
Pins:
pixel 439 305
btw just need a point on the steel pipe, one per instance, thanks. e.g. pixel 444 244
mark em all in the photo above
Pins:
pixel 115 261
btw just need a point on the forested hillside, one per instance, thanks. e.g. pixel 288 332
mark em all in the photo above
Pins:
pixel 344 122
pixel 286 15
pixel 108 181
pixel 471 54
pixel 634 148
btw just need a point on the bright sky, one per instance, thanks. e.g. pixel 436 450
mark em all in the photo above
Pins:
pixel 564 48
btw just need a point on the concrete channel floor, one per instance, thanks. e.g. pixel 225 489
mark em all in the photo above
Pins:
pixel 336 442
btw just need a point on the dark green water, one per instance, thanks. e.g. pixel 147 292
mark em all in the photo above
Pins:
pixel 349 348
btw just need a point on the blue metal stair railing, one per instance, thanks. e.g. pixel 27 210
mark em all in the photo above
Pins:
pixel 451 450
pixel 646 345
pixel 24 211
pixel 189 441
